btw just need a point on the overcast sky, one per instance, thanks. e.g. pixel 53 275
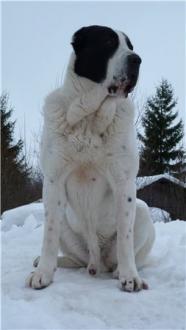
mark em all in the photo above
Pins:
pixel 36 46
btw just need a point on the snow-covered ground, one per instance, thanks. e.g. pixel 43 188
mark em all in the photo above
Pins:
pixel 77 301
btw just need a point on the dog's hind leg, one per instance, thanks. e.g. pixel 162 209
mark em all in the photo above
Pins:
pixel 64 262
pixel 144 233
pixel 69 262
pixel 73 247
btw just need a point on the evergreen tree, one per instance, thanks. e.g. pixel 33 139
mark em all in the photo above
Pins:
pixel 161 142
pixel 15 174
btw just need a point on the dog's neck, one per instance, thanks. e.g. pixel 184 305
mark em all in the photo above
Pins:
pixel 75 85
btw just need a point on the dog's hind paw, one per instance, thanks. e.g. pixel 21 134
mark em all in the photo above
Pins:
pixel 92 269
pixel 115 274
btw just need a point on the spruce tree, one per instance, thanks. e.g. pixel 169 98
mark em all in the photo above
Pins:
pixel 14 170
pixel 161 141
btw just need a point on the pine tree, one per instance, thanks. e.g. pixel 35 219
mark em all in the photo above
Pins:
pixel 161 142
pixel 15 174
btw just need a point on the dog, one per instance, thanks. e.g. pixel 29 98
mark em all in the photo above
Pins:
pixel 89 159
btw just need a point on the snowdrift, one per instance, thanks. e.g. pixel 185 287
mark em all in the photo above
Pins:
pixel 77 301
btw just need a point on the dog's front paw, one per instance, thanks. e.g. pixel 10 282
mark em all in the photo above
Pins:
pixel 39 279
pixel 132 283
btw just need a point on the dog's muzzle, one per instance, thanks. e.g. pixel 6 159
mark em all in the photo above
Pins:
pixel 127 82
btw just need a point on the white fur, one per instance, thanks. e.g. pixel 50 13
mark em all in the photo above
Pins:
pixel 89 160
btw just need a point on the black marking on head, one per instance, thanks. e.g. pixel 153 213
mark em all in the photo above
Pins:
pixel 129 199
pixel 128 42
pixel 94 46
pixel 93 179
pixel 130 46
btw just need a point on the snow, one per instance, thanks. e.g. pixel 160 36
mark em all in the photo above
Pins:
pixel 159 215
pixel 144 181
pixel 75 300
pixel 18 215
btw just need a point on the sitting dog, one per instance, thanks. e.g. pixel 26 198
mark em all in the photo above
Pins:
pixel 89 159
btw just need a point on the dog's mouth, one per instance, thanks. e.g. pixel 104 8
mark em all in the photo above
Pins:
pixel 122 88
pixel 128 88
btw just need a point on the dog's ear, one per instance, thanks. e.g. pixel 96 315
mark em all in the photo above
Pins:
pixel 79 40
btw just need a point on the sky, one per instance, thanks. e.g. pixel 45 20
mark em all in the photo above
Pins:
pixel 36 46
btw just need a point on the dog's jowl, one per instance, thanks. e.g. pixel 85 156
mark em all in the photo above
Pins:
pixel 90 161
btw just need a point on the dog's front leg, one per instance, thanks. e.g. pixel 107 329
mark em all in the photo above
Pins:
pixel 54 202
pixel 125 198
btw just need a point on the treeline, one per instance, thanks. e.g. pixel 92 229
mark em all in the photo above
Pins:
pixel 19 182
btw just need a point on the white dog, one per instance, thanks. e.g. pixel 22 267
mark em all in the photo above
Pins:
pixel 89 160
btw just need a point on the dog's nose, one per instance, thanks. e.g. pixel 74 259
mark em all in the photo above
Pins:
pixel 133 64
pixel 134 59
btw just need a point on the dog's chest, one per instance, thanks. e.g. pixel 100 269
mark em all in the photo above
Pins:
pixel 86 187
pixel 90 196
pixel 84 146
pixel 90 204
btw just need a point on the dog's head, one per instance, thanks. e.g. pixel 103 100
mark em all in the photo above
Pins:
pixel 106 56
